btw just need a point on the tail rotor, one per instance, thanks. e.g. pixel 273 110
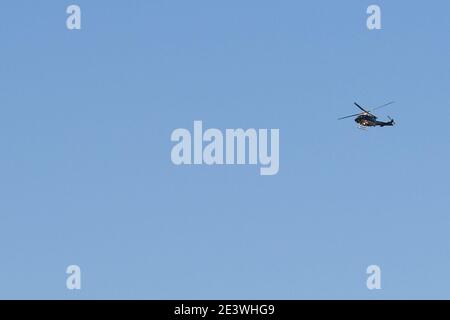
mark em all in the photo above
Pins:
pixel 392 120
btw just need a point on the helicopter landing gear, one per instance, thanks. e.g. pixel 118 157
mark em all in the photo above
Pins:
pixel 362 127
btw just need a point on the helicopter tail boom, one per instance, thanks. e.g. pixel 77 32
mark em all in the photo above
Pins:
pixel 383 124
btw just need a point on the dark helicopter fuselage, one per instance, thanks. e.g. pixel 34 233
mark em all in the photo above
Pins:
pixel 369 120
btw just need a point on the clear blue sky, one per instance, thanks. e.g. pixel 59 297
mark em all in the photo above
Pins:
pixel 85 169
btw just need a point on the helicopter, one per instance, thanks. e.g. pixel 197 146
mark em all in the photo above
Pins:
pixel 366 119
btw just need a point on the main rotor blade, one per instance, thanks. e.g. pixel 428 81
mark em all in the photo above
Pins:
pixel 384 105
pixel 360 107
pixel 353 115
